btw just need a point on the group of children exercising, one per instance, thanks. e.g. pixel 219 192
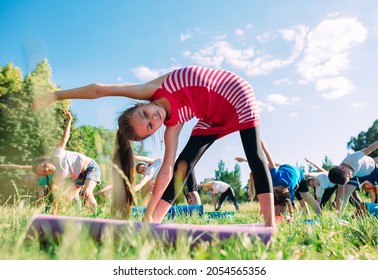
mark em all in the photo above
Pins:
pixel 223 103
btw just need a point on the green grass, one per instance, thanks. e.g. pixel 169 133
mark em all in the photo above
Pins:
pixel 330 239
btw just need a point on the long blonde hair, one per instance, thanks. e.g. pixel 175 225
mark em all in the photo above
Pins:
pixel 123 170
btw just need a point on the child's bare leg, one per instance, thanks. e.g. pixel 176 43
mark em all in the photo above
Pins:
pixel 56 193
pixel 304 206
pixel 195 197
pixel 73 192
pixel 90 200
pixel 310 200
pixel 40 193
pixel 161 209
pixel 348 189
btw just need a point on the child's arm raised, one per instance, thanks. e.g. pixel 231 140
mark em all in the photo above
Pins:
pixel 320 169
pixel 268 156
pixel 67 130
pixel 371 148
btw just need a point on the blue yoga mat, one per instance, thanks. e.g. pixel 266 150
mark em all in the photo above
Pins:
pixel 174 210
pixel 219 214
pixel 372 208
pixel 311 221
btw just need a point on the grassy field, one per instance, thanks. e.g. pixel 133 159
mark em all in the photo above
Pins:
pixel 331 238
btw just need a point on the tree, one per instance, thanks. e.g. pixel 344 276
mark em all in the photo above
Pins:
pixel 327 163
pixel 364 139
pixel 232 178
pixel 26 135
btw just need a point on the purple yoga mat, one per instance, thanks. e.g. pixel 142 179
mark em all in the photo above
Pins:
pixel 49 227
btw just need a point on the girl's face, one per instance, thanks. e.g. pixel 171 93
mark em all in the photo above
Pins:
pixel 141 169
pixel 45 168
pixel 147 119
pixel 347 170
pixel 313 183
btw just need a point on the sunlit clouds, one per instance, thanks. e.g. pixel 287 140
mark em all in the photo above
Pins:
pixel 281 99
pixel 320 55
pixel 326 56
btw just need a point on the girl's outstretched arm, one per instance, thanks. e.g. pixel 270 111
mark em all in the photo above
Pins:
pixel 16 166
pixel 320 169
pixel 67 130
pixel 93 91
pixel 165 174
pixel 268 156
pixel 371 148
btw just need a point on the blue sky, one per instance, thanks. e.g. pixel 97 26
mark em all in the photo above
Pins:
pixel 311 63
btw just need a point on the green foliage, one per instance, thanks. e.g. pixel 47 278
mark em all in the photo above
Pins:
pixel 364 139
pixel 329 238
pixel 26 135
pixel 233 178
pixel 23 135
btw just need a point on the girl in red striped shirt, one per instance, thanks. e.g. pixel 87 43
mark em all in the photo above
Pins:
pixel 221 101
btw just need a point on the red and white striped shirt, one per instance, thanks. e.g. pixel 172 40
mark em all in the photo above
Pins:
pixel 221 101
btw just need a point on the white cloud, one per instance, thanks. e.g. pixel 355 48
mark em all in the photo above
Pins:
pixel 282 99
pixel 321 54
pixel 263 38
pixel 145 74
pixel 264 65
pixel 253 62
pixel 239 32
pixel 262 106
pixel 221 37
pixel 184 37
pixel 222 52
pixel 186 53
pixel 335 87
pixel 298 36
pixel 328 48
pixel 285 81
pixel 293 115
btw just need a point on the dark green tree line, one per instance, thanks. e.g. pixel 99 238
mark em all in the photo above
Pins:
pixel 231 177
pixel 364 139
